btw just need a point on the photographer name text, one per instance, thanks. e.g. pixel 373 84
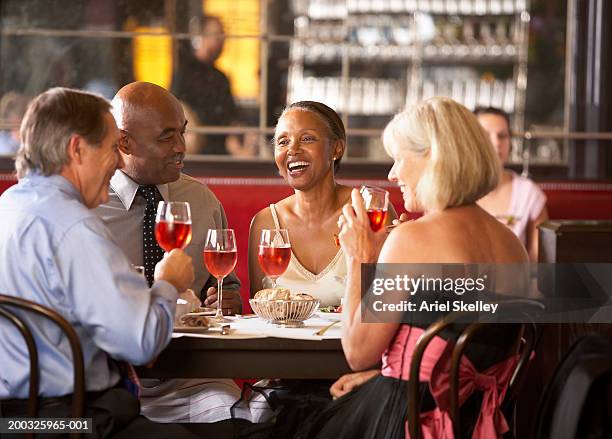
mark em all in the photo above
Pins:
pixel 436 306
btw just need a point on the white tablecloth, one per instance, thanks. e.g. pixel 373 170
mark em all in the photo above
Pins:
pixel 244 328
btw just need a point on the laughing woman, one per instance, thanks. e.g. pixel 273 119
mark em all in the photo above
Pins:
pixel 309 142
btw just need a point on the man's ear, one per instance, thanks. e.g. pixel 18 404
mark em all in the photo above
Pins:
pixel 75 149
pixel 124 142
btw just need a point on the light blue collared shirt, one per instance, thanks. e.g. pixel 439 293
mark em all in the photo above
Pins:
pixel 56 252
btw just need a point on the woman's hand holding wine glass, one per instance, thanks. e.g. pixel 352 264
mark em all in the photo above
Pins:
pixel 361 234
pixel 376 202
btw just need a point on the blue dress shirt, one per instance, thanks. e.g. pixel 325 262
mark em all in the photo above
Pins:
pixel 56 252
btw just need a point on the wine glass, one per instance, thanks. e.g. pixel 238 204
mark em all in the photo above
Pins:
pixel 274 253
pixel 220 254
pixel 173 225
pixel 376 203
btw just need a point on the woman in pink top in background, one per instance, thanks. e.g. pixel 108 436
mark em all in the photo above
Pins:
pixel 516 201
pixel 443 163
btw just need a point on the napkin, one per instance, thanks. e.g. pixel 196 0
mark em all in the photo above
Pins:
pixel 186 303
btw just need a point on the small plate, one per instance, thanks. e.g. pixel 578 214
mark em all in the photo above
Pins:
pixel 331 316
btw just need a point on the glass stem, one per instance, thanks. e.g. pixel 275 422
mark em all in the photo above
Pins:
pixel 219 313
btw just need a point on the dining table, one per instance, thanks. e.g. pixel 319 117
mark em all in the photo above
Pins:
pixel 250 347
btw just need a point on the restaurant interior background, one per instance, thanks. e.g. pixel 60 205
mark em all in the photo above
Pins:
pixel 366 58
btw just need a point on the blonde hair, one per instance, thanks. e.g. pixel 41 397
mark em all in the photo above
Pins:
pixel 463 165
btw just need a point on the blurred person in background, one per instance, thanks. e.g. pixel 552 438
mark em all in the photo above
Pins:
pixel 12 108
pixel 194 142
pixel 207 90
pixel 516 201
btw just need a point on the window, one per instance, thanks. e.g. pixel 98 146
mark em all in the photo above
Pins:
pixel 236 64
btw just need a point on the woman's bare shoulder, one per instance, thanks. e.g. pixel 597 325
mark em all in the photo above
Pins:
pixel 286 204
pixel 408 242
pixel 484 239
pixel 507 246
pixel 462 235
pixel 283 208
pixel 412 229
pixel 262 219
pixel 344 191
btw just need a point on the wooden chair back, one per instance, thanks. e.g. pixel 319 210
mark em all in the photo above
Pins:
pixel 78 397
pixel 524 343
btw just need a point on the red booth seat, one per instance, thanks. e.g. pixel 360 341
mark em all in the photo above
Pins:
pixel 578 200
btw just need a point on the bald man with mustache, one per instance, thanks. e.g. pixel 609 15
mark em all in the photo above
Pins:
pixel 152 127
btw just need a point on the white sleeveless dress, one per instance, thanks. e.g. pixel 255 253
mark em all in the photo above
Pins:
pixel 327 286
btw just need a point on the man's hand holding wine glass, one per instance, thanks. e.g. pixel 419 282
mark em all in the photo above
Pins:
pixel 177 268
pixel 173 233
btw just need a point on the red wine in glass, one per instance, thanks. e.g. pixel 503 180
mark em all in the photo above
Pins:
pixel 376 202
pixel 220 254
pixel 173 234
pixel 220 263
pixel 377 218
pixel 274 260
pixel 173 225
pixel 274 253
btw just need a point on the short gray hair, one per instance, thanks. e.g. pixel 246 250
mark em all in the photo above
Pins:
pixel 463 165
pixel 50 120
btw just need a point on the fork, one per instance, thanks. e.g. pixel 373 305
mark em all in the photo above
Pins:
pixel 323 330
